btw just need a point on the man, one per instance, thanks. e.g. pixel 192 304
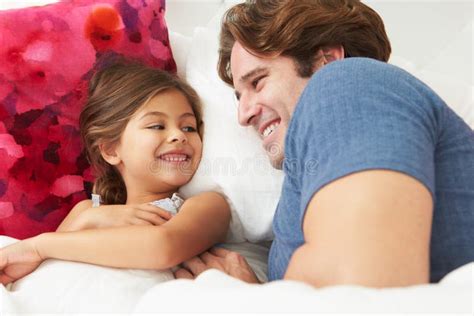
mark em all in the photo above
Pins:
pixel 379 172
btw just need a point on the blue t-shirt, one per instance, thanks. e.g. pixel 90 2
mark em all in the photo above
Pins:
pixel 359 114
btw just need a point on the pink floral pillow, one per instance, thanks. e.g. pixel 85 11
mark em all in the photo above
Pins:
pixel 47 55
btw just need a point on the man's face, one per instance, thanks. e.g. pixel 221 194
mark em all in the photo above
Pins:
pixel 267 90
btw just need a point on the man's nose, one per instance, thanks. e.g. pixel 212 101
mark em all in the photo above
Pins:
pixel 248 110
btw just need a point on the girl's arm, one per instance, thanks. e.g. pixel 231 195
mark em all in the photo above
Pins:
pixel 84 216
pixel 70 223
pixel 202 221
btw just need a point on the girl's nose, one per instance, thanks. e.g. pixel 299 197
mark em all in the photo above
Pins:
pixel 177 136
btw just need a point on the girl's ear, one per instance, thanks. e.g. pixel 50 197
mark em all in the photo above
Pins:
pixel 109 153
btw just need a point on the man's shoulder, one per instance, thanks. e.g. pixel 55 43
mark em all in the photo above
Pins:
pixel 356 68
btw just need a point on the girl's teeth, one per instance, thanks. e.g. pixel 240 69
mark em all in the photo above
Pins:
pixel 174 158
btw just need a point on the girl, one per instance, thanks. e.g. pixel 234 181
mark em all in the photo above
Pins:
pixel 141 129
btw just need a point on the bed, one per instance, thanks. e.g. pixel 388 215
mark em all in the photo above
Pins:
pixel 431 39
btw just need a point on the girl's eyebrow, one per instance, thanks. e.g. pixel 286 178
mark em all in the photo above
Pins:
pixel 157 113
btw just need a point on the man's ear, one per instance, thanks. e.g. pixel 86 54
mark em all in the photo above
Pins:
pixel 332 53
pixel 109 153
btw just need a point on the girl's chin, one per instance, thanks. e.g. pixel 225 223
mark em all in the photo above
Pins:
pixel 174 173
pixel 176 179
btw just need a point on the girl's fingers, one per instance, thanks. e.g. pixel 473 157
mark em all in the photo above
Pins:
pixel 157 210
pixel 139 221
pixel 152 218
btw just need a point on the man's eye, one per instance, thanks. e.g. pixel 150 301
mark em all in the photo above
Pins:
pixel 189 129
pixel 256 81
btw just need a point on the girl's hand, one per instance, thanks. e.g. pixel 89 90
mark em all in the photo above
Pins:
pixel 18 260
pixel 122 215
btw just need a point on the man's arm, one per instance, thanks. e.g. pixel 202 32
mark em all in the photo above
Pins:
pixel 371 228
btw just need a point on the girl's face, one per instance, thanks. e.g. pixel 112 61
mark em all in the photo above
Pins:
pixel 160 147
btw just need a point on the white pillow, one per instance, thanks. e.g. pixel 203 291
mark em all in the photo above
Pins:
pixel 180 46
pixel 234 162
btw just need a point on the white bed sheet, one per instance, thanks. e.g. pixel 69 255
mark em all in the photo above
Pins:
pixel 68 287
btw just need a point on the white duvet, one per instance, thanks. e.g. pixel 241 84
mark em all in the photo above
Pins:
pixel 69 287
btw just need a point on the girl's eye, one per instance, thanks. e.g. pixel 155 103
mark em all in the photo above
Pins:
pixel 189 129
pixel 157 126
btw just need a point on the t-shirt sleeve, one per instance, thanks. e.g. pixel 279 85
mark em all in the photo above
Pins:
pixel 359 115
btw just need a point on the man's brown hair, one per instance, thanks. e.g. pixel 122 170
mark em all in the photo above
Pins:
pixel 299 29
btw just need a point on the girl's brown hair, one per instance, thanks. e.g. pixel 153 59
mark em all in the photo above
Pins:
pixel 299 28
pixel 115 94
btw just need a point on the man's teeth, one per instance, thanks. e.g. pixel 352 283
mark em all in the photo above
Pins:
pixel 174 157
pixel 270 129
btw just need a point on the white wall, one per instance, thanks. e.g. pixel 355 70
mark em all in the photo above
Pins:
pixel 434 34
pixel 11 4
pixel 183 16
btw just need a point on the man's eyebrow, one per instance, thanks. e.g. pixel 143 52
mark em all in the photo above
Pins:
pixel 252 73
pixel 249 75
pixel 157 113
